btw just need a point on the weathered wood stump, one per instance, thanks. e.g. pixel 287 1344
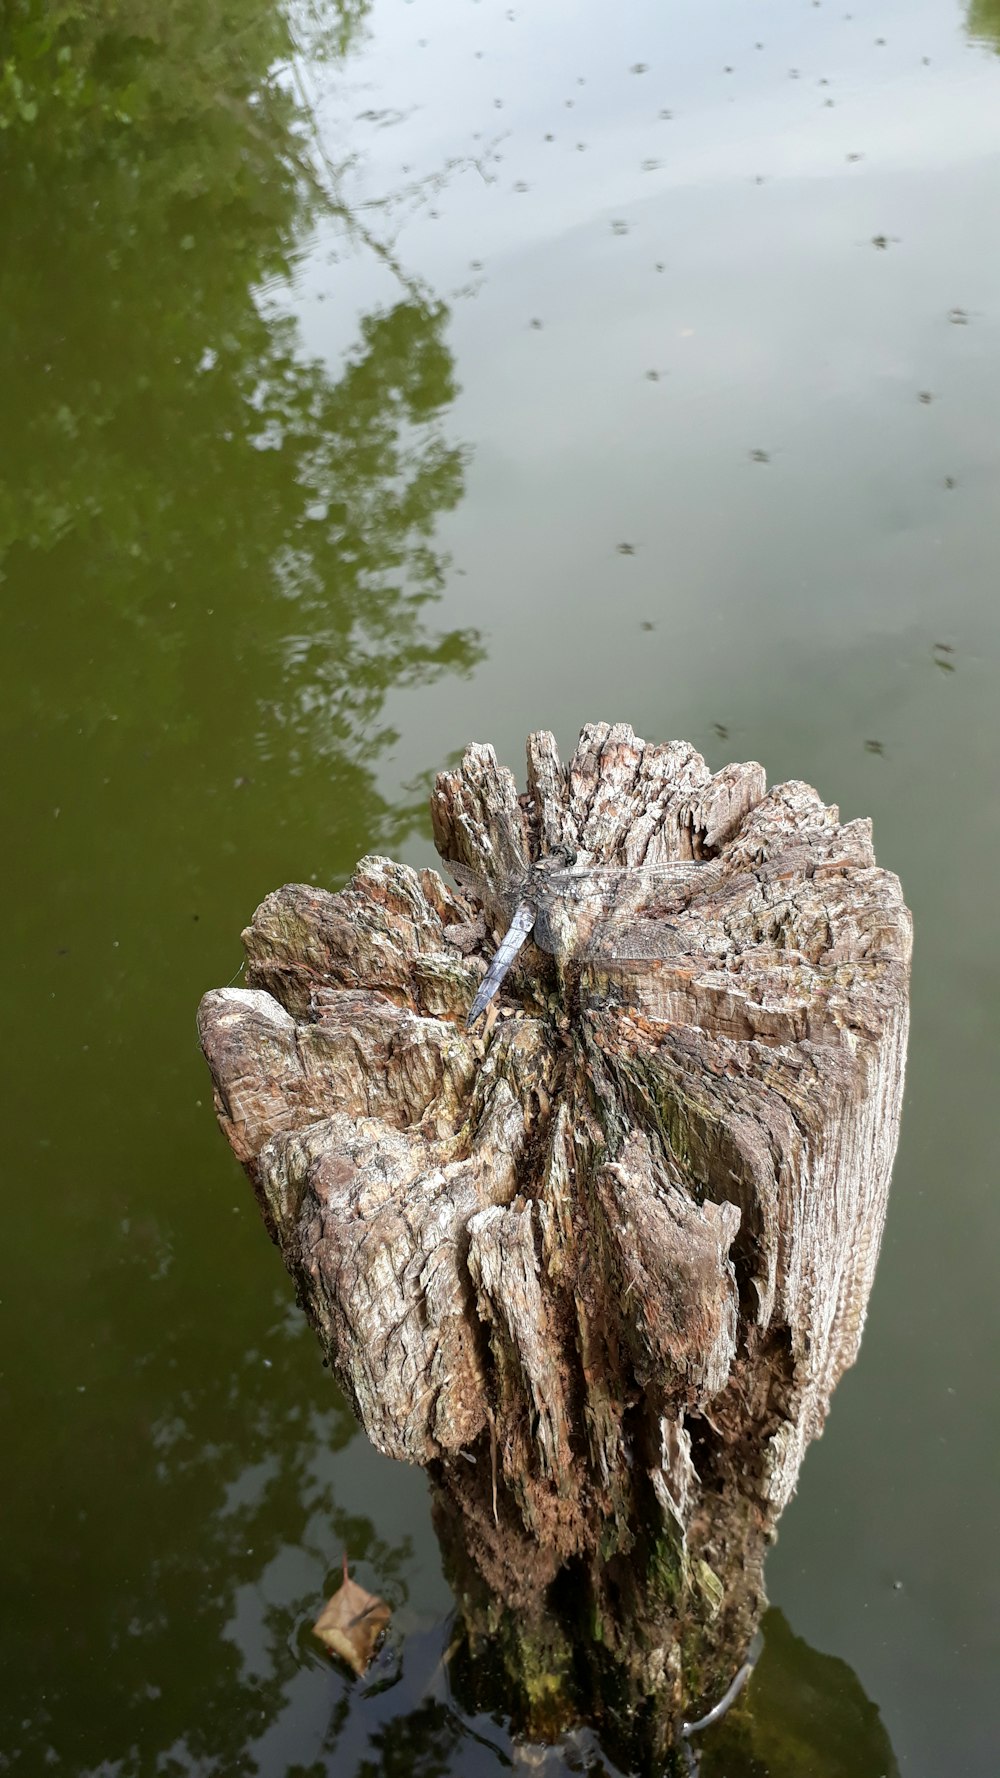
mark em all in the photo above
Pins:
pixel 599 1269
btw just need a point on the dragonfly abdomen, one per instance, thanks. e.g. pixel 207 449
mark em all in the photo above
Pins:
pixel 510 944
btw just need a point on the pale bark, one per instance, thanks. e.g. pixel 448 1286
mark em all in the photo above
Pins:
pixel 600 1268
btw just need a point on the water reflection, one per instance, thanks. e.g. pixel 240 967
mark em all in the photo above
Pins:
pixel 803 1711
pixel 211 502
pixel 983 20
pixel 175 1637
pixel 164 572
pixel 218 557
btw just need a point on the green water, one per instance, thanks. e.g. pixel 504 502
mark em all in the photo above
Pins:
pixel 342 351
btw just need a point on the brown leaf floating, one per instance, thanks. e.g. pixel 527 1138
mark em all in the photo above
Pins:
pixel 351 1623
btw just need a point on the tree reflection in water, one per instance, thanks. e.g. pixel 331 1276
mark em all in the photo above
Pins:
pixel 218 559
pixel 213 506
pixel 983 21
pixel 802 1712
pixel 229 553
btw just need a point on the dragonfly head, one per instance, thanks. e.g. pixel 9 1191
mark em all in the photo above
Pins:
pixel 561 858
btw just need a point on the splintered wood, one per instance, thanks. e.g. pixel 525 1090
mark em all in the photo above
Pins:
pixel 601 1267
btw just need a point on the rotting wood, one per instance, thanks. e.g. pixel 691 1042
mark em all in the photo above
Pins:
pixel 600 1268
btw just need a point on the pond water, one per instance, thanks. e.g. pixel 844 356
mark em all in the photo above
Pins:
pixel 377 378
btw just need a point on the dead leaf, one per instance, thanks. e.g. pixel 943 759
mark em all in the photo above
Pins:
pixel 351 1623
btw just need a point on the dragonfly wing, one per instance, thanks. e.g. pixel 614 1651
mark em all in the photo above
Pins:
pixel 636 940
pixel 502 897
pixel 510 944
pixel 609 876
pixel 473 880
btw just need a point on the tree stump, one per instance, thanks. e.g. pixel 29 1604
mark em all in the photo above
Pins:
pixel 599 1268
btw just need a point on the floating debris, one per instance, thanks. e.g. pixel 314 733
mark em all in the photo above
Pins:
pixel 351 1623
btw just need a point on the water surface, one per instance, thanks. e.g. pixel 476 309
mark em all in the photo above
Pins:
pixel 376 379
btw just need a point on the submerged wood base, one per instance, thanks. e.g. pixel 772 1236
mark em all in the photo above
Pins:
pixel 600 1268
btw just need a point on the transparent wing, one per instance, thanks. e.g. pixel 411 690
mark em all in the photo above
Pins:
pixel 625 888
pixel 628 911
pixel 608 880
pixel 636 940
pixel 609 877
pixel 502 896
pixel 607 898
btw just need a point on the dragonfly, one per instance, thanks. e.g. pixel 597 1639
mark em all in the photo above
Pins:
pixel 582 911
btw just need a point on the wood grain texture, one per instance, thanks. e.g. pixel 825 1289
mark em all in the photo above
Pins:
pixel 599 1269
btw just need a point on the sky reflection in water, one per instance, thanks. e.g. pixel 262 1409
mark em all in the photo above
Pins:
pixel 465 371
